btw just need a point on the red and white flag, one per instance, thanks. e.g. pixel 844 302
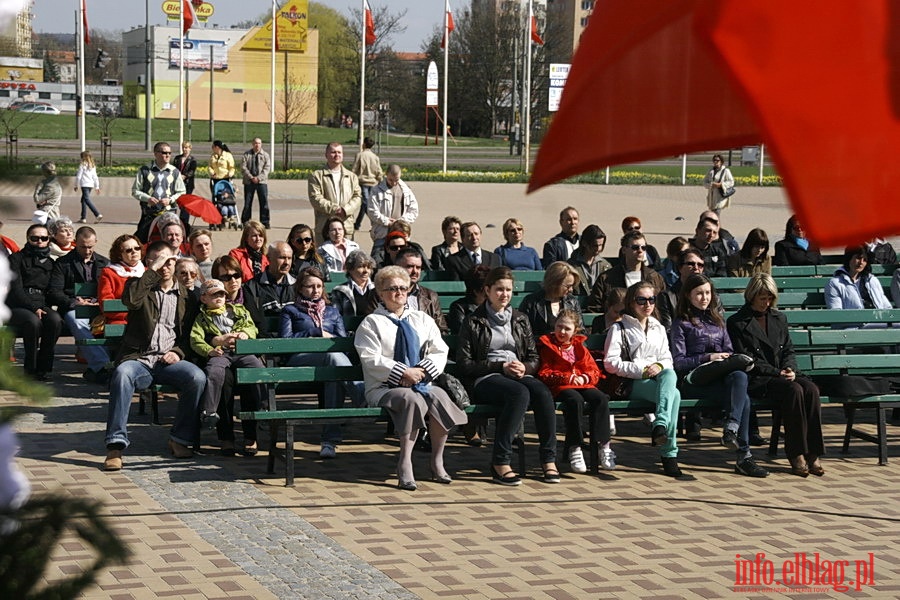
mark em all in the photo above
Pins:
pixel 535 36
pixel 188 16
pixel 450 25
pixel 370 25
pixel 87 33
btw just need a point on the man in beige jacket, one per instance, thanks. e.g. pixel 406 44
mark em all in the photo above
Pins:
pixel 334 191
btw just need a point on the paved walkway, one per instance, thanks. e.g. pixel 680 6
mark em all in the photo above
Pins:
pixel 215 527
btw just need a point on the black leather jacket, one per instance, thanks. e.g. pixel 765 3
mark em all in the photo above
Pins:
pixel 475 343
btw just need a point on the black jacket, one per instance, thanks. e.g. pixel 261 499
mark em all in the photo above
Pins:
pixel 475 343
pixel 68 271
pixel 461 263
pixel 31 281
pixel 556 249
pixel 770 350
pixel 788 253
pixel 536 307
pixel 265 299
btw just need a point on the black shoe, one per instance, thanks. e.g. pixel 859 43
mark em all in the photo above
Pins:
pixel 692 431
pixel 509 478
pixel 209 420
pixel 729 439
pixel 758 440
pixel 659 436
pixel 747 466
pixel 670 467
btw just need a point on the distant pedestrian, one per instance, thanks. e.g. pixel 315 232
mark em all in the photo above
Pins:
pixel 717 182
pixel 86 179
pixel 187 166
pixel 221 164
pixel 47 195
pixel 367 167
pixel 255 167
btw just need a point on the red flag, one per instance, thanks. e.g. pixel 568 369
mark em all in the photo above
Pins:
pixel 535 36
pixel 187 9
pixel 87 33
pixel 652 79
pixel 450 27
pixel 370 25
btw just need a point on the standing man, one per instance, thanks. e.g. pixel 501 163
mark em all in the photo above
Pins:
pixel 390 200
pixel 157 187
pixel 334 191
pixel 152 352
pixel 471 254
pixel 367 167
pixel 255 166
pixel 561 246
pixel 81 265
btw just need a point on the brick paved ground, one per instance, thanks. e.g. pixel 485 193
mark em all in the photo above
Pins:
pixel 217 527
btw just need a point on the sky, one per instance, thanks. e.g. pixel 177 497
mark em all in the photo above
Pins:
pixel 50 16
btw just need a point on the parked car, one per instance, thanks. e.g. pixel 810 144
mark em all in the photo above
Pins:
pixel 40 108
pixel 19 104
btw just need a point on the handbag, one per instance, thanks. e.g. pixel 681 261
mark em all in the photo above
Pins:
pixel 613 384
pixel 728 192
pixel 454 389
pixel 714 370
pixel 98 326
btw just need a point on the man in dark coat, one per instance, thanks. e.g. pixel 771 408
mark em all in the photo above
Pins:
pixel 561 246
pixel 471 254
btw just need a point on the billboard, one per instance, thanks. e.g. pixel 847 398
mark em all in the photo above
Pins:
pixel 196 54
pixel 293 20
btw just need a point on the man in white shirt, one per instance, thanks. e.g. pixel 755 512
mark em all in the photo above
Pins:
pixel 390 201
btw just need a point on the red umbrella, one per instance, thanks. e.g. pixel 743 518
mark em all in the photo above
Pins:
pixel 200 207
pixel 651 79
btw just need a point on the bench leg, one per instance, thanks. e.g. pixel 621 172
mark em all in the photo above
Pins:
pixel 154 407
pixel 289 454
pixel 849 413
pixel 142 402
pixel 775 434
pixel 273 447
pixel 882 434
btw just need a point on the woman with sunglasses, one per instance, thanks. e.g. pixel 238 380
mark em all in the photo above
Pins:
pixel 402 353
pixel 227 270
pixel 124 263
pixel 497 359
pixel 637 348
pixel 302 240
pixel 32 318
pixel 514 253
pixel 795 249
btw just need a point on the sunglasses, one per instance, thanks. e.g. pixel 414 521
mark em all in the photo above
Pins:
pixel 164 153
pixel 511 229
pixel 644 300
pixel 305 240
pixel 39 238
pixel 637 247
pixel 217 295
pixel 699 265
pixel 132 249
pixel 397 247
pixel 229 277
pixel 188 274
pixel 396 288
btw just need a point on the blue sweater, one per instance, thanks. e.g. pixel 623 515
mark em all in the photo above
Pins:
pixel 519 259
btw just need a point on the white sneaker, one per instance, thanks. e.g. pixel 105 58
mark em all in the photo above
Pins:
pixel 649 418
pixel 576 460
pixel 327 451
pixel 607 459
pixel 612 425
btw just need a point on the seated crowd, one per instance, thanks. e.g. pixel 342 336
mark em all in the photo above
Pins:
pixel 661 318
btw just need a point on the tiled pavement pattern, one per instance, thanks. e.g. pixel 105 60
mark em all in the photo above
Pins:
pixel 217 527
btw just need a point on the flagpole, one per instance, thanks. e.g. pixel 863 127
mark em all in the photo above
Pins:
pixel 446 62
pixel 272 92
pixel 181 74
pixel 81 51
pixel 527 95
pixel 362 75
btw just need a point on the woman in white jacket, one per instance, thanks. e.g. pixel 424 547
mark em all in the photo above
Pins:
pixel 637 347
pixel 86 179
pixel 853 285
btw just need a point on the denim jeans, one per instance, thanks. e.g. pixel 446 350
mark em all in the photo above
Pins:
pixel 96 356
pixel 86 203
pixel 365 194
pixel 334 390
pixel 662 390
pixel 132 375
pixel 262 192
pixel 732 392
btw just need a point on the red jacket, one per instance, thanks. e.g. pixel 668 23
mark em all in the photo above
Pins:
pixel 556 372
pixel 243 257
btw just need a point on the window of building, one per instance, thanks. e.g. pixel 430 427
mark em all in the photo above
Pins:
pixel 4 93
pixel 587 4
pixel 44 95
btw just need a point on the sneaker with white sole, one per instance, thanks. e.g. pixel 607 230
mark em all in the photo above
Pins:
pixel 607 459
pixel 328 450
pixel 576 460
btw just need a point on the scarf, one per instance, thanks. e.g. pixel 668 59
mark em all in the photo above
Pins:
pixel 407 348
pixel 124 271
pixel 802 242
pixel 314 308
pixel 39 253
pixel 498 319
pixel 255 257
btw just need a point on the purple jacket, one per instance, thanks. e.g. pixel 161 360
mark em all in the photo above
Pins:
pixel 692 343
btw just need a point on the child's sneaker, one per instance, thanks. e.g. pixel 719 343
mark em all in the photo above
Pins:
pixel 607 459
pixel 576 460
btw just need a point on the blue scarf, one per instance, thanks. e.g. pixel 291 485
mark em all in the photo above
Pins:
pixel 802 242
pixel 406 350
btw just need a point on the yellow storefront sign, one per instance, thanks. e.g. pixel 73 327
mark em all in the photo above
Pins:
pixel 172 10
pixel 292 20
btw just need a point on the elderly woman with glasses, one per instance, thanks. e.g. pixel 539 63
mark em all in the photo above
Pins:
pixel 32 317
pixel 356 297
pixel 402 353
pixel 637 348
pixel 514 253
pixel 795 249
pixel 124 263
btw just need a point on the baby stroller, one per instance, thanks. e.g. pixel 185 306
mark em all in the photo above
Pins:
pixel 223 198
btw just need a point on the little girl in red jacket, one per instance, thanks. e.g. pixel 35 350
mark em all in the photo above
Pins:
pixel 571 373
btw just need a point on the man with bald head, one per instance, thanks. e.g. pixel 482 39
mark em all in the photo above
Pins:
pixel 267 293
pixel 334 191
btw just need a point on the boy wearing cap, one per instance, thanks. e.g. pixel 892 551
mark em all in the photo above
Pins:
pixel 217 328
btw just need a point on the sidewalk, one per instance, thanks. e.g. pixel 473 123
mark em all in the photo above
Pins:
pixel 215 527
